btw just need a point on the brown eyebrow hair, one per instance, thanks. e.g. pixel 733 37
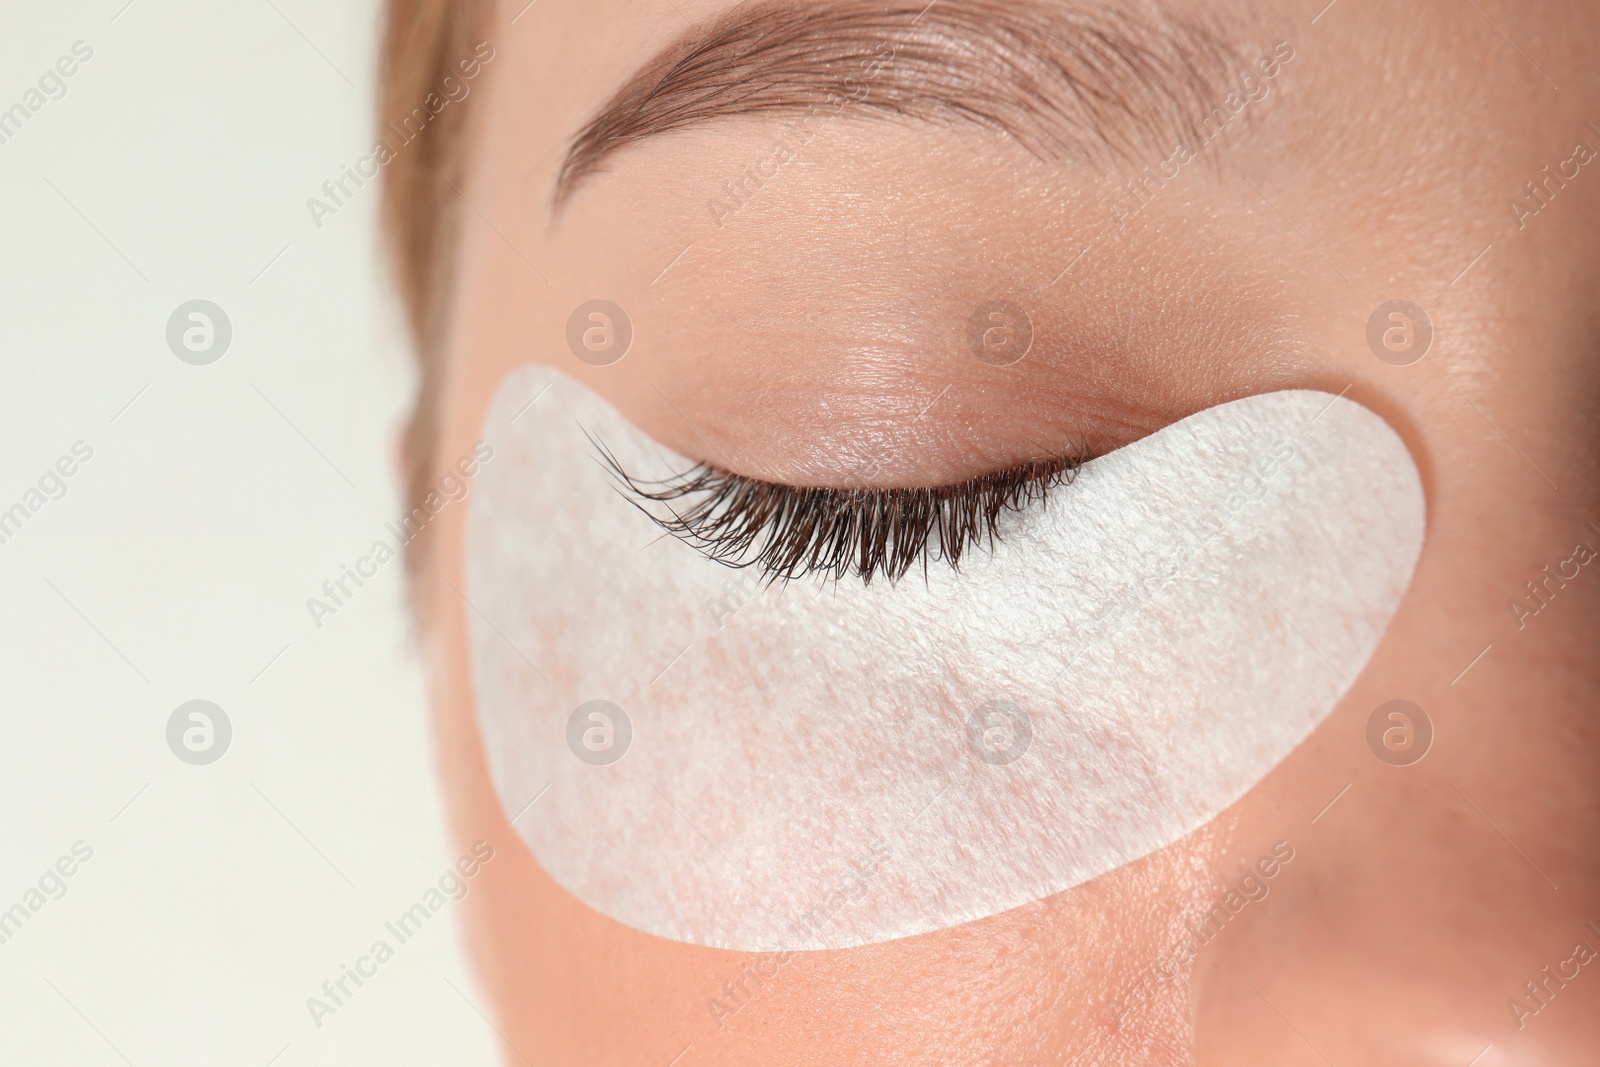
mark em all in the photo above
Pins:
pixel 1065 80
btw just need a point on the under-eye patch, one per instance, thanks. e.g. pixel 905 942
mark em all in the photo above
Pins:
pixel 737 762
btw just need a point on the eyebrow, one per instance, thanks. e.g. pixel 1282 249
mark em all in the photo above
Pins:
pixel 1064 80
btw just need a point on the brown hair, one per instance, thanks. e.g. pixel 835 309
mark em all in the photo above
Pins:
pixel 421 42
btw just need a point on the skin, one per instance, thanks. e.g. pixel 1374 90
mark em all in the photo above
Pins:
pixel 818 337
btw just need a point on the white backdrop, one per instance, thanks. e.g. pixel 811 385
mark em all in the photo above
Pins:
pixel 173 564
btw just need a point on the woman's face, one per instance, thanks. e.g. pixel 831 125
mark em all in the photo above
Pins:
pixel 801 315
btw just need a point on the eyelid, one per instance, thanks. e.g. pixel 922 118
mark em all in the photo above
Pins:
pixel 788 531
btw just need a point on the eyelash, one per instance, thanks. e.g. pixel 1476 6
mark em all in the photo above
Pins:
pixel 788 532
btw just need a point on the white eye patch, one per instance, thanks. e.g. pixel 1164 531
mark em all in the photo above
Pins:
pixel 820 765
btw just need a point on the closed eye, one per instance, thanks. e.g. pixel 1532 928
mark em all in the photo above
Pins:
pixel 788 531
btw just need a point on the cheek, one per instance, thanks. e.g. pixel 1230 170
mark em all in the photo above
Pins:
pixel 810 765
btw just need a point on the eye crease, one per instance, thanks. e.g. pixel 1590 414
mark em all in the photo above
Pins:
pixel 788 532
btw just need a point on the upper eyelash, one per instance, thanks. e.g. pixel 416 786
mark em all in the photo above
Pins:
pixel 790 531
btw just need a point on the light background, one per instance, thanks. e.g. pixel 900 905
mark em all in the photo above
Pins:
pixel 177 566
